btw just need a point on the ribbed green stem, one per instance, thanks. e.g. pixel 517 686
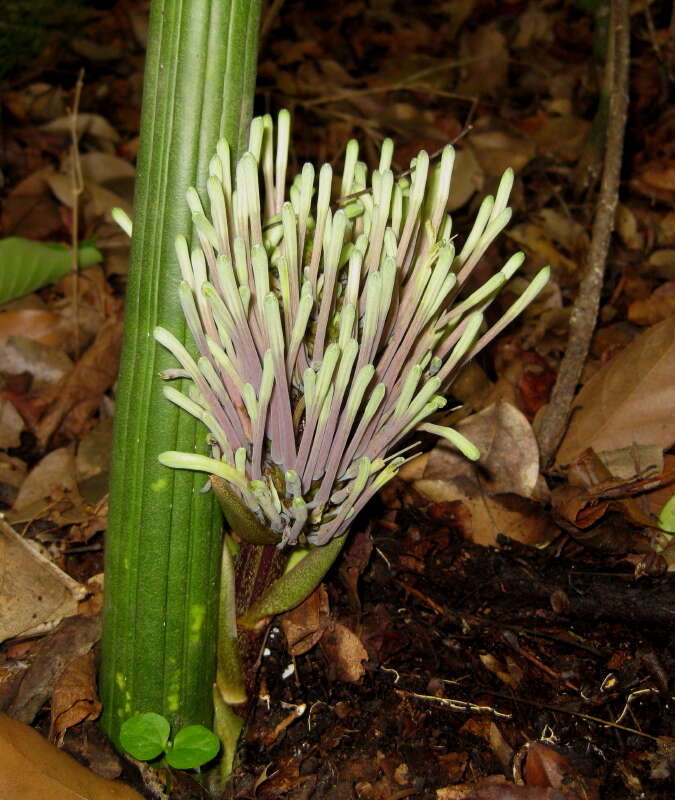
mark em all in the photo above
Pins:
pixel 163 542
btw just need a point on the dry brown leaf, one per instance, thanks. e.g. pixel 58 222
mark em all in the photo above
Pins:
pixel 304 625
pixel 11 424
pixel 46 365
pixel 345 652
pixel 54 474
pixel 496 491
pixel 627 227
pixel 74 637
pixel 92 125
pixel 509 455
pixel 74 698
pixel 93 452
pixel 35 595
pixel 546 767
pixel 658 306
pixel 489 61
pixel 30 209
pixel 467 178
pixel 39 325
pixel 496 150
pixel 661 264
pixel 509 515
pixel 33 769
pixel 536 240
pixel 631 400
pixel 81 392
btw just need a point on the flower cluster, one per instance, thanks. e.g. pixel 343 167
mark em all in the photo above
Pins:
pixel 328 328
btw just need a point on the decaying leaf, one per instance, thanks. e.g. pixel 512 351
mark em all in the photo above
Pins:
pixel 304 625
pixel 75 636
pixel 345 652
pixel 35 595
pixel 509 456
pixel 629 401
pixel 74 698
pixel 33 769
pixel 81 391
pixel 11 424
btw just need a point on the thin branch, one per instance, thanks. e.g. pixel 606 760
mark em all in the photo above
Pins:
pixel 76 187
pixel 585 310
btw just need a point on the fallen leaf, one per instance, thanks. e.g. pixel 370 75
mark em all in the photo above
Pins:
pixel 546 767
pixel 491 516
pixel 536 240
pixel 39 325
pixel 467 178
pixel 509 455
pixel 33 769
pixel 486 50
pixel 11 424
pixel 75 636
pixel 30 209
pixel 81 392
pixel 92 125
pixel 631 400
pixel 660 305
pixel 496 150
pixel 55 473
pixel 345 652
pixel 46 365
pixel 35 595
pixel 305 624
pixel 74 698
pixel 93 451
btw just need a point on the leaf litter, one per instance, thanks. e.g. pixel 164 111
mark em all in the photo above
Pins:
pixel 491 631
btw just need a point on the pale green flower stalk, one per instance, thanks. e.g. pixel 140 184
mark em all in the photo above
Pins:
pixel 329 328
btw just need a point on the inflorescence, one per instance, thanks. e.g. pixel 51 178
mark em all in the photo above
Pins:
pixel 327 329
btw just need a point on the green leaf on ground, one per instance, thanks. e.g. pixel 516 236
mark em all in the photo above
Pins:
pixel 145 736
pixel 26 265
pixel 192 747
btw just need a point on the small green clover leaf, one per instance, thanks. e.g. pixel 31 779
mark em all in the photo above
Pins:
pixel 192 747
pixel 667 516
pixel 145 736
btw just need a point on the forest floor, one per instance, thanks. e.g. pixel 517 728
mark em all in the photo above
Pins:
pixel 500 632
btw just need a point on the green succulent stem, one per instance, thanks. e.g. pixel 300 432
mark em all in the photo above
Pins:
pixel 163 544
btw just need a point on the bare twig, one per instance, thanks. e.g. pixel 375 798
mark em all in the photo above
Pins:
pixel 269 19
pixel 585 309
pixel 76 187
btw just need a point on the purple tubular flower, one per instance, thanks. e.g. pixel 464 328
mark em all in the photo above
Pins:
pixel 327 328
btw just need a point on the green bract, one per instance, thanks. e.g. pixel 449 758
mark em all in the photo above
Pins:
pixel 328 327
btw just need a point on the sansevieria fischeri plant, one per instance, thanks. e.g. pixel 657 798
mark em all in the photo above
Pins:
pixel 330 316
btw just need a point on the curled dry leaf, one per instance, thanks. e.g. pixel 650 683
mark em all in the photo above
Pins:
pixel 345 652
pixel 631 400
pixel 304 625
pixel 74 698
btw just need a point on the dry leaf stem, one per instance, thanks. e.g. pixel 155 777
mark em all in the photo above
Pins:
pixel 585 309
